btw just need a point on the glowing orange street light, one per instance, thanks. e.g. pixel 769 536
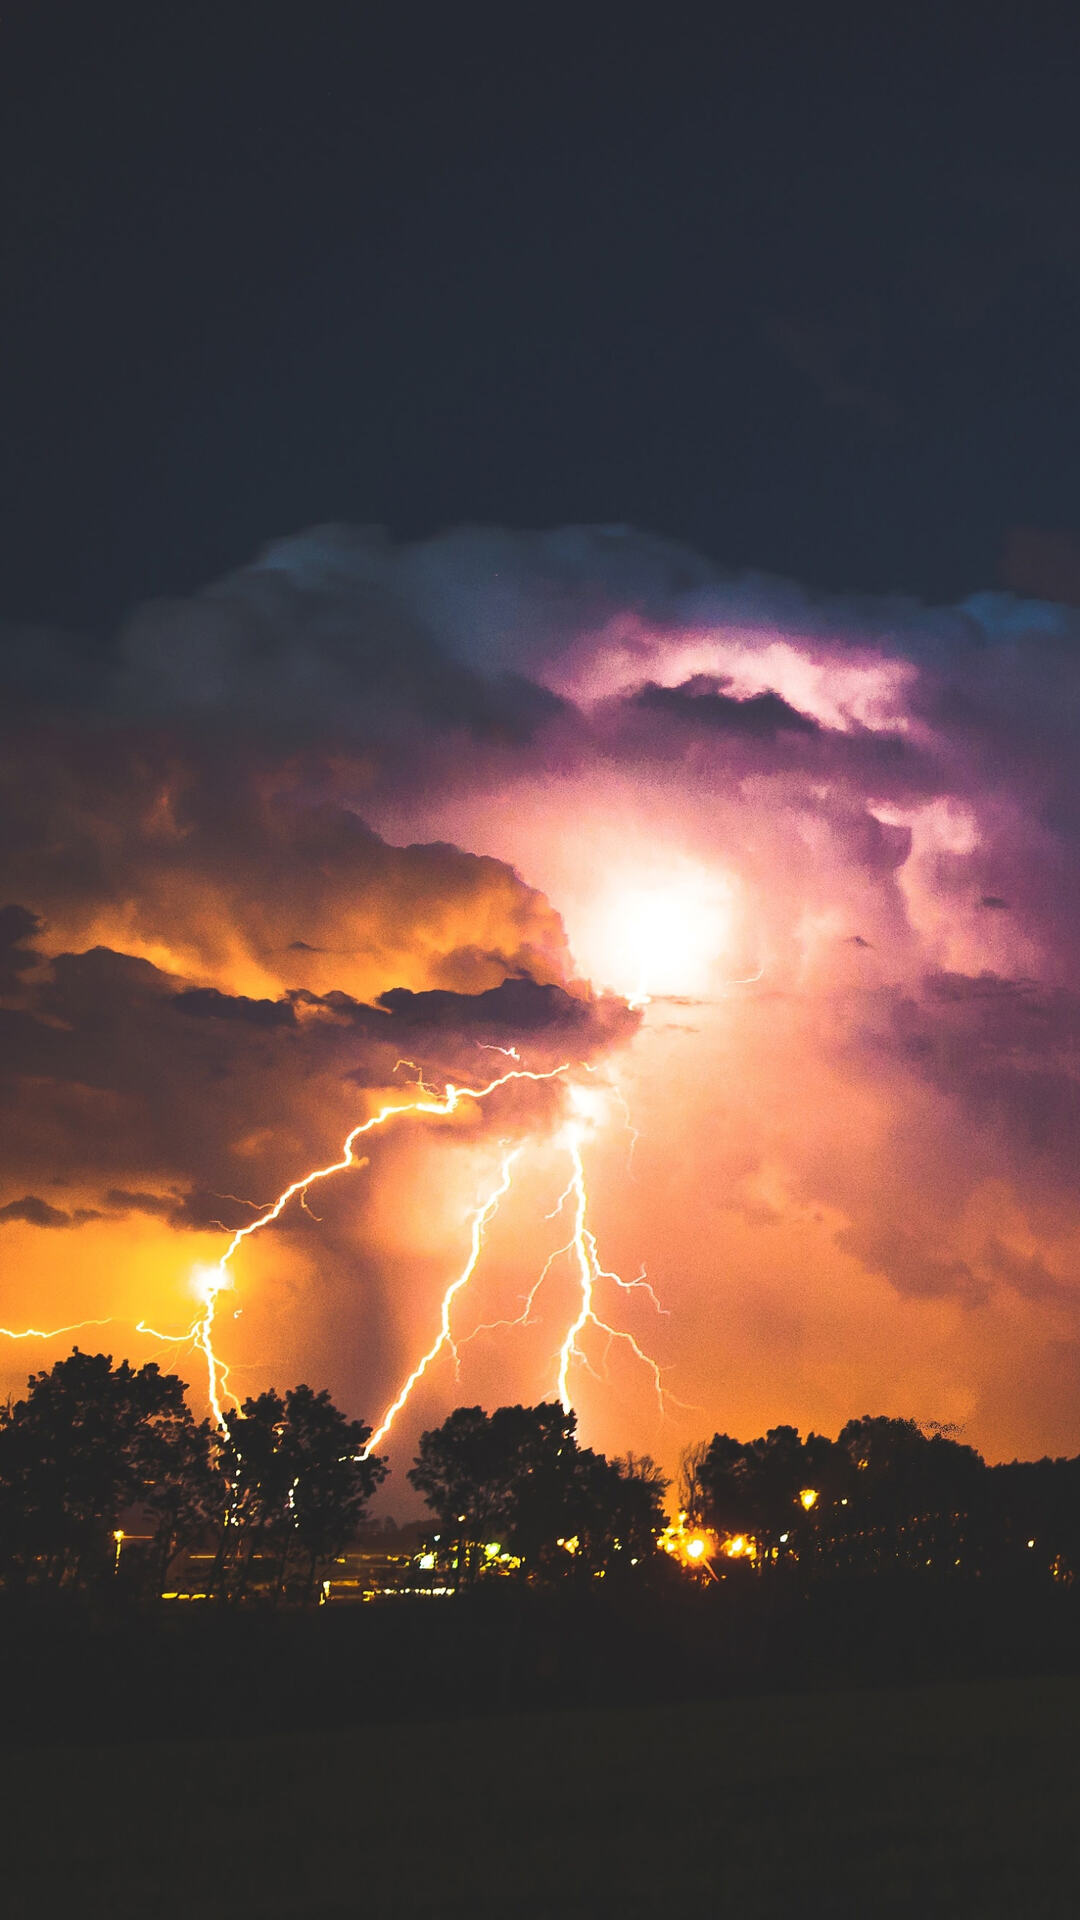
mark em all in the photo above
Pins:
pixel 739 1546
pixel 693 1549
pixel 118 1536
pixel 808 1498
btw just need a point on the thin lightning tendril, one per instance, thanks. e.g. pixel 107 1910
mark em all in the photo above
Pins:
pixel 445 1338
pixel 52 1333
pixel 589 1272
pixel 582 1246
pixel 521 1319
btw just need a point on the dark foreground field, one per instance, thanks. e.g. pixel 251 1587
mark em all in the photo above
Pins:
pixel 946 1800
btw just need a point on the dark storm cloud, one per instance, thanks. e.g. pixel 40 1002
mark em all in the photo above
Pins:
pixel 114 1068
pixel 903 1259
pixel 38 1213
pixel 518 1009
pixel 434 660
pixel 17 930
pixel 540 1016
pixel 702 702
pixel 1025 1274
pixel 988 1066
pixel 714 734
pixel 120 1200
pixel 206 1003
pixel 325 636
pixel 338 633
pixel 238 852
pixel 339 638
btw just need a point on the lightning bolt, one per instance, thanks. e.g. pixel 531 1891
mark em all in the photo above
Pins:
pixel 214 1280
pixel 582 1246
pixel 52 1333
pixel 211 1281
pixel 634 1132
pixel 590 1272
pixel 445 1338
pixel 522 1319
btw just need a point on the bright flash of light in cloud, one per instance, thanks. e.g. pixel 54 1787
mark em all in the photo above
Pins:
pixel 664 927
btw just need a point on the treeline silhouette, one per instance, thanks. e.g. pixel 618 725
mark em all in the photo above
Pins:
pixel 93 1447
pixel 283 1490
pixel 546 1574
pixel 106 1477
pixel 885 1495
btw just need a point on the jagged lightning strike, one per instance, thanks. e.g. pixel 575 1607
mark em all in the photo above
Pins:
pixel 51 1333
pixel 212 1281
pixel 445 1337
pixel 581 1248
pixel 585 1103
pixel 583 1244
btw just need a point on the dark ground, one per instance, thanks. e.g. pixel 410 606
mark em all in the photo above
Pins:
pixel 949 1801
pixel 73 1675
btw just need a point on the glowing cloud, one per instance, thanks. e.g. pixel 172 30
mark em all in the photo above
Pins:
pixel 362 803
pixel 660 927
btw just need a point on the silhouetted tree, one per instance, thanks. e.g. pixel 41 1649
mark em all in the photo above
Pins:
pixel 691 1489
pixel 912 1498
pixel 89 1442
pixel 255 1470
pixel 619 1512
pixel 518 1477
pixel 505 1477
pixel 92 1443
pixel 185 1495
pixel 298 1483
pixel 755 1487
pixel 458 1471
pixel 543 1492
pixel 1032 1517
pixel 883 1493
pixel 333 1479
pixel 725 1494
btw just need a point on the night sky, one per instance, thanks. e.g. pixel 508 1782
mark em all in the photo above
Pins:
pixel 803 297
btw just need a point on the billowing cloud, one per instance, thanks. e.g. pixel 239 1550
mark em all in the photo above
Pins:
pixel 37 1212
pixel 364 802
pixel 115 1070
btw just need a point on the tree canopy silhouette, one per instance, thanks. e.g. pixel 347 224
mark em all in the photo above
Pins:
pixel 89 1442
pixel 517 1478
pixel 298 1480
pixel 283 1489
